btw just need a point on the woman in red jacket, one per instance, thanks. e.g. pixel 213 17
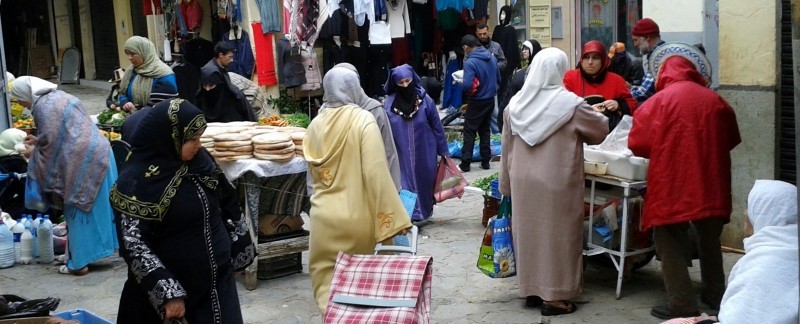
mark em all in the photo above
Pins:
pixel 592 79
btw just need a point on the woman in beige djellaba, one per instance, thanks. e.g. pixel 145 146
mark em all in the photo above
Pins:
pixel 354 204
pixel 542 170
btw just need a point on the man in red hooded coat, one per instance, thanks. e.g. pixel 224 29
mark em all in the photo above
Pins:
pixel 687 131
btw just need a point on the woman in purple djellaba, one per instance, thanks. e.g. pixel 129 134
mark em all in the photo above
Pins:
pixel 418 135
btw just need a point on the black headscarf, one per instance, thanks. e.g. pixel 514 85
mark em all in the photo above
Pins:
pixel 224 103
pixel 154 170
pixel 406 100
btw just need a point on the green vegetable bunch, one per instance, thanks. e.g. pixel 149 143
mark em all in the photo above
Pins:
pixel 112 117
pixel 485 183
pixel 298 119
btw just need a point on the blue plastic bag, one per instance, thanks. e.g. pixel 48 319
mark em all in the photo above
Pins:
pixel 496 258
pixel 34 197
pixel 455 149
pixel 409 200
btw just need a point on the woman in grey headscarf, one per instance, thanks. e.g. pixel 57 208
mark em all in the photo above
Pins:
pixel 343 94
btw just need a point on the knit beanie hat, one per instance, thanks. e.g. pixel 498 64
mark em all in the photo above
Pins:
pixel 645 27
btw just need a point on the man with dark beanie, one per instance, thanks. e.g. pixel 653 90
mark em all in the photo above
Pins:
pixel 646 37
pixel 481 76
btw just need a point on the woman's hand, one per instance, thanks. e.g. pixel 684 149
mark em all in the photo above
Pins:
pixel 129 106
pixel 611 105
pixel 31 140
pixel 174 309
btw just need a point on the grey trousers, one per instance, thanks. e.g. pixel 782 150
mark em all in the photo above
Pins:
pixel 671 245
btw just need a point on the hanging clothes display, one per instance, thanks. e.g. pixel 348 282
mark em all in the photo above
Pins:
pixel 243 54
pixel 313 77
pixel 291 72
pixel 192 14
pixel 452 90
pixel 363 11
pixel 309 9
pixel 152 7
pixel 270 16
pixel 265 57
pixel 399 21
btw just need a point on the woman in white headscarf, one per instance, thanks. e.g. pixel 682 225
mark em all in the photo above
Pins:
pixel 74 167
pixel 542 171
pixel 763 285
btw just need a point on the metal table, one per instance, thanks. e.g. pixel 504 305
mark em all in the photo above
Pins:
pixel 617 256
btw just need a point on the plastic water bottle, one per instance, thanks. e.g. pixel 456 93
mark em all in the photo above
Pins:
pixel 6 246
pixel 45 237
pixel 18 229
pixel 26 247
pixel 27 221
pixel 34 227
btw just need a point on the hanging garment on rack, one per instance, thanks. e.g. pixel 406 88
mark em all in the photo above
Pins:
pixel 186 77
pixel 452 91
pixel 333 53
pixel 380 11
pixel 313 78
pixel 192 14
pixel 243 54
pixel 363 11
pixel 380 58
pixel 270 16
pixel 151 7
pixel 264 57
pixel 309 10
pixel 399 21
pixel 458 5
pixel 287 15
pixel 291 72
pixel 380 33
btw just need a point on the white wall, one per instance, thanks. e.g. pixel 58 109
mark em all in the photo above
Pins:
pixel 675 16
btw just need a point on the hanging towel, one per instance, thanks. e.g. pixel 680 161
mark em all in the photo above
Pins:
pixel 265 58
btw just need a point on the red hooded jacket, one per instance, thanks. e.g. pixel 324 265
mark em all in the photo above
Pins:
pixel 687 131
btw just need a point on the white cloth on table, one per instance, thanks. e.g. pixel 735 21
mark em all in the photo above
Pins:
pixel 261 168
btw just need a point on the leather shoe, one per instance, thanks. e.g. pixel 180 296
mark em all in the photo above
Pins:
pixel 463 167
pixel 548 310
pixel 485 165
pixel 709 303
pixel 533 301
pixel 664 312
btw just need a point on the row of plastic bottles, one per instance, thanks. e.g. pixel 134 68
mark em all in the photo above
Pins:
pixel 26 239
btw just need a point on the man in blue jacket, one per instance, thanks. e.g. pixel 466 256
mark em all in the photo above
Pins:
pixel 481 77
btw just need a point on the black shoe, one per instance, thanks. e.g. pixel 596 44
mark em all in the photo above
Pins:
pixel 463 167
pixel 548 310
pixel 485 165
pixel 664 312
pixel 533 301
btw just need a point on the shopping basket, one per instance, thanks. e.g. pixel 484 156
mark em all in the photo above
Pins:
pixel 381 288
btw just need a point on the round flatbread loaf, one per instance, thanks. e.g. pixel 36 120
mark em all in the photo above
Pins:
pixel 274 157
pixel 258 131
pixel 297 136
pixel 234 158
pixel 233 144
pixel 271 138
pixel 218 153
pixel 233 124
pixel 291 129
pixel 286 150
pixel 270 147
pixel 232 137
pixel 248 148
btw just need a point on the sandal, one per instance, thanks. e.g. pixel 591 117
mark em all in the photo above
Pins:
pixel 560 308
pixel 64 270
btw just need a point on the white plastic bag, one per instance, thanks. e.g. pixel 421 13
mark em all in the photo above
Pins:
pixel 617 140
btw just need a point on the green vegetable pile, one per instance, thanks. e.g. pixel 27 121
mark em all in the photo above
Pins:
pixel 485 183
pixel 112 117
pixel 298 119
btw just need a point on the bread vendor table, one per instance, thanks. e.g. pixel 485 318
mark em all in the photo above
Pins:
pixel 617 256
pixel 249 173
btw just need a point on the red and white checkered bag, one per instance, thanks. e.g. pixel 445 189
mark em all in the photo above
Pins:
pixel 380 289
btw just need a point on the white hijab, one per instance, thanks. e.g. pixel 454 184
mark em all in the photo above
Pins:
pixel 763 285
pixel 543 105
pixel 30 88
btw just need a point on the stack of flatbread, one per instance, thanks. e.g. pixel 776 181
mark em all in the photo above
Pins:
pixel 207 139
pixel 297 139
pixel 274 146
pixel 232 146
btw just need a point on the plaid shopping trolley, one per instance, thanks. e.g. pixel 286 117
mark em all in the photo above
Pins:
pixel 381 288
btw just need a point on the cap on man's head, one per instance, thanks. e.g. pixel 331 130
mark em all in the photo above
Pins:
pixel 616 48
pixel 645 27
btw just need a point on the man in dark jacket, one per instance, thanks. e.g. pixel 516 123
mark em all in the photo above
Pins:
pixel 481 75
pixel 626 65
